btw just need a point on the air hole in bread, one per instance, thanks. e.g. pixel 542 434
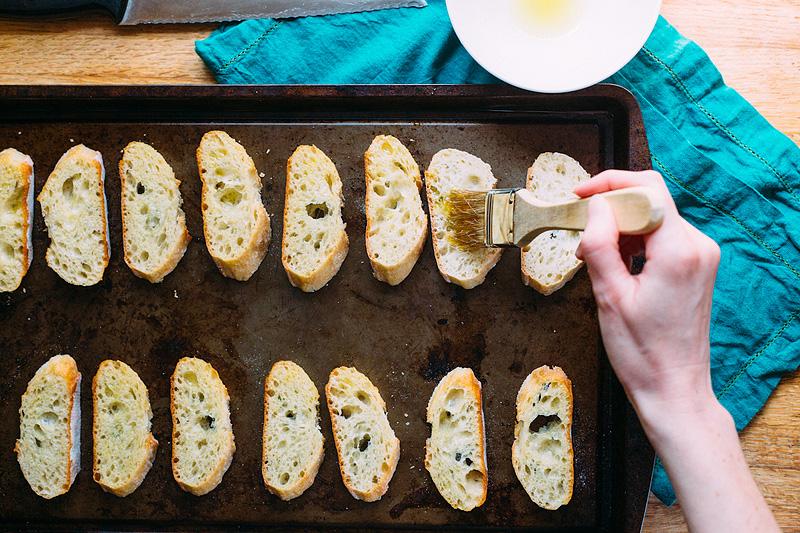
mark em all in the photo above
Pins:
pixel 284 478
pixel 290 414
pixel 475 477
pixel 317 211
pixel 363 444
pixel 201 396
pixel 379 189
pixel 453 400
pixel 231 197
pixel 206 422
pixel 362 397
pixel 139 188
pixel 542 421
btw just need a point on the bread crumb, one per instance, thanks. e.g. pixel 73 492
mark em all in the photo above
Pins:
pixel 176 294
pixel 72 140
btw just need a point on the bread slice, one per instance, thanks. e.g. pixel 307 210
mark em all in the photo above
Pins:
pixel 365 442
pixel 456 451
pixel 16 218
pixel 74 206
pixel 235 223
pixel 453 169
pixel 153 224
pixel 202 436
pixel 124 447
pixel 542 452
pixel 550 262
pixel 49 445
pixel 396 224
pixel 293 442
pixel 315 243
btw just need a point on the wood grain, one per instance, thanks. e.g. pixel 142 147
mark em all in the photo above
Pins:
pixel 755 44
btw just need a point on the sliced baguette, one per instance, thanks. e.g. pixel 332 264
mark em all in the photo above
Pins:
pixel 154 232
pixel 16 218
pixel 542 452
pixel 293 442
pixel 49 445
pixel 202 436
pixel 235 223
pixel 124 447
pixel 367 447
pixel 315 243
pixel 453 169
pixel 74 206
pixel 456 451
pixel 550 262
pixel 396 224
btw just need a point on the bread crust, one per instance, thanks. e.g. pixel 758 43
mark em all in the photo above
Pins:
pixel 178 250
pixel 243 266
pixel 530 387
pixel 313 467
pixel 150 445
pixel 226 457
pixel 391 273
pixel 24 165
pixel 462 378
pixel 65 367
pixel 378 489
pixel 333 261
pixel 95 160
pixel 492 255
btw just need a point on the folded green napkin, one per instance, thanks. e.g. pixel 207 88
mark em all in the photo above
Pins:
pixel 732 174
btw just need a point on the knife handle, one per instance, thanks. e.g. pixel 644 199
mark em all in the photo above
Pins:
pixel 18 8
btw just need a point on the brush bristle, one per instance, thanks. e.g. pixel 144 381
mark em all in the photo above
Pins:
pixel 465 224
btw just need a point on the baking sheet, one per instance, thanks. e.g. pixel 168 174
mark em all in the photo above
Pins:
pixel 403 338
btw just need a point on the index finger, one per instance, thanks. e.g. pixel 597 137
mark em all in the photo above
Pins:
pixel 611 180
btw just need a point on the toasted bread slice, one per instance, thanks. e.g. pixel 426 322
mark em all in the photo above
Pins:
pixel 293 442
pixel 154 232
pixel 396 224
pixel 315 243
pixel 365 442
pixel 456 451
pixel 49 445
pixel 550 261
pixel 542 452
pixel 453 169
pixel 235 223
pixel 124 447
pixel 16 218
pixel 74 206
pixel 202 436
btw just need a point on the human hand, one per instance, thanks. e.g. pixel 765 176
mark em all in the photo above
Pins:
pixel 655 325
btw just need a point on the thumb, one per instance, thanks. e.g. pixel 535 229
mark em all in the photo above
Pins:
pixel 599 248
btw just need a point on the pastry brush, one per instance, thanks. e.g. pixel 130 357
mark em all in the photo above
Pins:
pixel 514 217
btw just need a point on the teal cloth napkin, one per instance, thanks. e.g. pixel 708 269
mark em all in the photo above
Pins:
pixel 732 174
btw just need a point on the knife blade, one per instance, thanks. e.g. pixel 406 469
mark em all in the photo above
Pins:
pixel 169 11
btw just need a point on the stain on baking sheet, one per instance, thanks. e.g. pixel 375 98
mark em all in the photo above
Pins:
pixel 467 352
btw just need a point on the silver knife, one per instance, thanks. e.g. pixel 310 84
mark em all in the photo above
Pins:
pixel 167 11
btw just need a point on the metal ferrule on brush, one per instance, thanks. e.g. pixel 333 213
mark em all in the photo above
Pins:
pixel 500 217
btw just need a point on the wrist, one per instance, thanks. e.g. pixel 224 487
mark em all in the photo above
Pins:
pixel 666 419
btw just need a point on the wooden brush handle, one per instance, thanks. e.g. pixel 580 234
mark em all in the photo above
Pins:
pixel 637 210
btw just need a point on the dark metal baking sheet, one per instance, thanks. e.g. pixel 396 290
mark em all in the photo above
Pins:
pixel 404 338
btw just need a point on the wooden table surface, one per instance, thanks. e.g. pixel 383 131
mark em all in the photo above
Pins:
pixel 755 44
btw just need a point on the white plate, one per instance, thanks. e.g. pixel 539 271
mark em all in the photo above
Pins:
pixel 553 49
